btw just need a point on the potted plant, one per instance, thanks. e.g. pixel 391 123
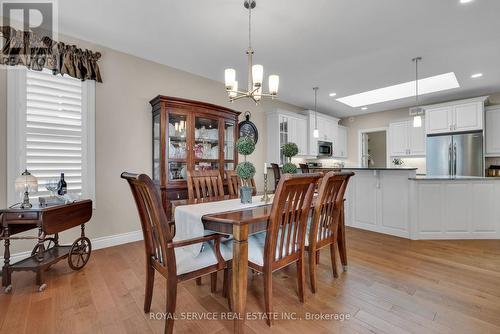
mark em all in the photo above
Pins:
pixel 245 170
pixel 289 150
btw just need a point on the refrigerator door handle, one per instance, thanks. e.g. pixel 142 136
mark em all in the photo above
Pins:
pixel 450 159
pixel 455 159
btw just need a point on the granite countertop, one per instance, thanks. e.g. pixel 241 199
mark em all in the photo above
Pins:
pixel 451 178
pixel 380 168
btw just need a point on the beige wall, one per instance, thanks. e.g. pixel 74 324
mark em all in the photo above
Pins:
pixel 379 120
pixel 123 131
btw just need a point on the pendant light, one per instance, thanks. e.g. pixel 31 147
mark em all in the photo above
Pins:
pixel 255 72
pixel 416 111
pixel 316 131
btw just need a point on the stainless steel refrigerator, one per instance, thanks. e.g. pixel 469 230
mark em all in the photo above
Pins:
pixel 458 154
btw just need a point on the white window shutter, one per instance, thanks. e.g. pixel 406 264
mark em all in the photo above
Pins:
pixel 56 123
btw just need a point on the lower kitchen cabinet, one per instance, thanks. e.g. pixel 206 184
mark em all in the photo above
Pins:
pixel 378 201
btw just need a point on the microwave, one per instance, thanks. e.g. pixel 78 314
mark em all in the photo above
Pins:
pixel 325 149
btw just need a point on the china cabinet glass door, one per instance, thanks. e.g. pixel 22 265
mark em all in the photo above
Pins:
pixel 229 144
pixel 206 143
pixel 176 147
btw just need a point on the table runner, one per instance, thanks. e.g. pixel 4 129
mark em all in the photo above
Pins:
pixel 188 222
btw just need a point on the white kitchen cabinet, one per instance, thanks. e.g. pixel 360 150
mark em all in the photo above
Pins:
pixel 493 131
pixel 285 127
pixel 406 140
pixel 378 201
pixel 457 116
pixel 416 139
pixel 340 143
pixel 398 137
pixel 439 120
pixel 327 128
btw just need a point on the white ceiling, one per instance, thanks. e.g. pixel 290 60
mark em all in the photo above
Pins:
pixel 342 46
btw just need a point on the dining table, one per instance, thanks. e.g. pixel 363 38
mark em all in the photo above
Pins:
pixel 240 224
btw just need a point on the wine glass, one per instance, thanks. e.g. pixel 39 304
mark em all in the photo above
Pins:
pixel 51 186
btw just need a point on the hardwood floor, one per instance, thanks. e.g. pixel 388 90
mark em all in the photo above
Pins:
pixel 393 286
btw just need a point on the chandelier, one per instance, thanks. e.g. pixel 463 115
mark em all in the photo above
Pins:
pixel 255 72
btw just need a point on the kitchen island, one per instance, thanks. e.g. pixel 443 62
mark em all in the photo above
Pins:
pixel 396 201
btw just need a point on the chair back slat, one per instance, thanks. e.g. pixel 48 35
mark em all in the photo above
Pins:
pixel 288 218
pixel 154 223
pixel 328 208
pixel 202 184
pixel 234 183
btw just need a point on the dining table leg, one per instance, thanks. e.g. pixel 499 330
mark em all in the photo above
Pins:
pixel 239 277
pixel 341 240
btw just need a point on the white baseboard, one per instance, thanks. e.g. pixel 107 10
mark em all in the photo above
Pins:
pixel 97 243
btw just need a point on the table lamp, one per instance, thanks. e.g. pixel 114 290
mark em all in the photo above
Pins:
pixel 28 184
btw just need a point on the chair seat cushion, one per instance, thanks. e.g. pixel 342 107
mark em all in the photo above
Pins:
pixel 187 263
pixel 256 243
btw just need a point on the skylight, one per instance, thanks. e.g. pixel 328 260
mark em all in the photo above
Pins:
pixel 428 85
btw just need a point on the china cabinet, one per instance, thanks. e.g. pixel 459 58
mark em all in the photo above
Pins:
pixel 190 135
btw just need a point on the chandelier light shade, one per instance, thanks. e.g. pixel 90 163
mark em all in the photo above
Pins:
pixel 230 76
pixel 255 72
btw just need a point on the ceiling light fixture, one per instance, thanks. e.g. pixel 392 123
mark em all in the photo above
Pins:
pixel 364 108
pixel 465 1
pixel 426 86
pixel 477 75
pixel 332 94
pixel 316 131
pixel 416 111
pixel 255 72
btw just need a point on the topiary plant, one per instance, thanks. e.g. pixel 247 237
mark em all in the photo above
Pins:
pixel 289 168
pixel 245 170
pixel 245 146
pixel 289 150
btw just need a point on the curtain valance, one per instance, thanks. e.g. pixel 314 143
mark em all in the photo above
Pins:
pixel 37 52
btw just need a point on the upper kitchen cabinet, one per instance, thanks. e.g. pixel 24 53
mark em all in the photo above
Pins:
pixel 340 143
pixel 457 116
pixel 406 140
pixel 493 131
pixel 327 127
pixel 285 127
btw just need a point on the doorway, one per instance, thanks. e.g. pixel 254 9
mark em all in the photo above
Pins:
pixel 373 150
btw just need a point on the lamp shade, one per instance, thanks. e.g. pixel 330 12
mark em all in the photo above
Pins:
pixel 316 133
pixel 274 81
pixel 257 75
pixel 230 78
pixel 26 182
pixel 234 89
pixel 417 121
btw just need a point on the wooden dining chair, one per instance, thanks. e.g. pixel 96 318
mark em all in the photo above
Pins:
pixel 202 184
pixel 165 255
pixel 234 183
pixel 324 227
pixel 277 174
pixel 283 243
pixel 304 168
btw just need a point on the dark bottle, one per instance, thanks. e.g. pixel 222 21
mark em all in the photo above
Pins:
pixel 62 187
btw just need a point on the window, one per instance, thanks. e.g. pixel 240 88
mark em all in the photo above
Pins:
pixel 51 126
